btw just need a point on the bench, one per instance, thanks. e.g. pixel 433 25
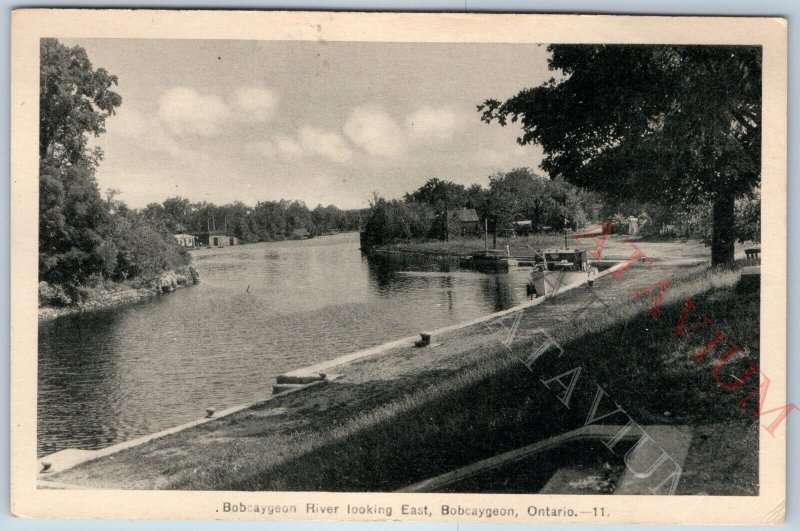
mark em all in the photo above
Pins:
pixel 753 254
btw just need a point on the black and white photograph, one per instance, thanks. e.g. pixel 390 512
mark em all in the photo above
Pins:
pixel 525 268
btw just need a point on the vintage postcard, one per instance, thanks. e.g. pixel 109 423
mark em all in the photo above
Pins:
pixel 398 266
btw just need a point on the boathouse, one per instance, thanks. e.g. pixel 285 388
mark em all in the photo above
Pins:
pixel 185 240
pixel 217 239
pixel 464 222
pixel 301 234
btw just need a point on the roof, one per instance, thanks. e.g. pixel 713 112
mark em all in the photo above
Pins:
pixel 466 215
pixel 183 235
pixel 302 230
pixel 212 233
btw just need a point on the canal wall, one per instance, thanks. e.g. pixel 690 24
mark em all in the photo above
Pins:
pixel 294 381
pixel 415 260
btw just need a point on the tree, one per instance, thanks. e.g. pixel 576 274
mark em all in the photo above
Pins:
pixel 675 125
pixel 74 101
pixel 389 221
pixel 443 197
pixel 177 208
pixel 508 194
pixel 438 194
pixel 748 217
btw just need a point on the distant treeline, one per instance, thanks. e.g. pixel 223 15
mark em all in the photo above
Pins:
pixel 517 195
pixel 545 205
pixel 267 221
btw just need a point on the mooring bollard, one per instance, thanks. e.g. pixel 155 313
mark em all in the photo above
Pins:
pixel 592 273
pixel 424 341
pixel 210 412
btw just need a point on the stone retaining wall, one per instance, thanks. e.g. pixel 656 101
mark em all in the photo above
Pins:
pixel 167 283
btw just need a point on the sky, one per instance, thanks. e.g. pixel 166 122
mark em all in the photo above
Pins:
pixel 322 122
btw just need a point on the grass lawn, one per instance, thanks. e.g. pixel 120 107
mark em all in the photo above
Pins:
pixel 499 405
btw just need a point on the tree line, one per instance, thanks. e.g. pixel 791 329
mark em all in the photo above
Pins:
pixel 267 221
pixel 516 195
pixel 675 129
pixel 549 205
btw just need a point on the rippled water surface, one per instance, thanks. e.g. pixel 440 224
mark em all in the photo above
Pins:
pixel 108 377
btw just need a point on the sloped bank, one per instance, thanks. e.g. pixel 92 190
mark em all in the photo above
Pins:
pixel 114 296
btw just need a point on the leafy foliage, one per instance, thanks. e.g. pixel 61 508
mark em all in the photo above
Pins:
pixel 74 101
pixel 515 195
pixel 670 124
pixel 520 194
pixel 389 221
pixel 267 221
pixel 83 237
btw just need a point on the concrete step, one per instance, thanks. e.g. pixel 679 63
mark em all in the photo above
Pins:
pixel 290 378
pixel 280 388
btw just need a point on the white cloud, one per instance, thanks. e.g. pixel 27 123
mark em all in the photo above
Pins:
pixel 372 129
pixel 326 143
pixel 288 146
pixel 185 110
pixel 254 104
pixel 429 123
pixel 265 148
pixel 145 132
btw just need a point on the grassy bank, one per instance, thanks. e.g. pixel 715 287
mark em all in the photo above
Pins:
pixel 498 405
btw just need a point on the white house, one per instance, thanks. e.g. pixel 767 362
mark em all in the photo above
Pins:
pixel 185 240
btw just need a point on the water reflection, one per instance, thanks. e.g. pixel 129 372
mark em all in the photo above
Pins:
pixel 261 310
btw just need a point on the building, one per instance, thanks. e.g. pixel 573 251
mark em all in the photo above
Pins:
pixel 216 238
pixel 464 222
pixel 185 240
pixel 301 234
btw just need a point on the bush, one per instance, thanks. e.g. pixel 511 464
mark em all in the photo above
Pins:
pixel 50 295
pixel 389 221
pixel 144 249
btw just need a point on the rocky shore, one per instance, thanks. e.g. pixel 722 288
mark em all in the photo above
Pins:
pixel 119 295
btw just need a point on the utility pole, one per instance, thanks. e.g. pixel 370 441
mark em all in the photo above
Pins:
pixel 565 233
pixel 486 234
pixel 446 218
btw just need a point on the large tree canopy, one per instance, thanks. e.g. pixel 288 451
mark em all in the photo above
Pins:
pixel 74 101
pixel 669 124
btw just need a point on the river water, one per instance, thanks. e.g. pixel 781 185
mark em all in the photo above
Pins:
pixel 261 310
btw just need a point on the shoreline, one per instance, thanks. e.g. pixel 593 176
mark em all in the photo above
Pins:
pixel 383 373
pixel 111 300
pixel 168 282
